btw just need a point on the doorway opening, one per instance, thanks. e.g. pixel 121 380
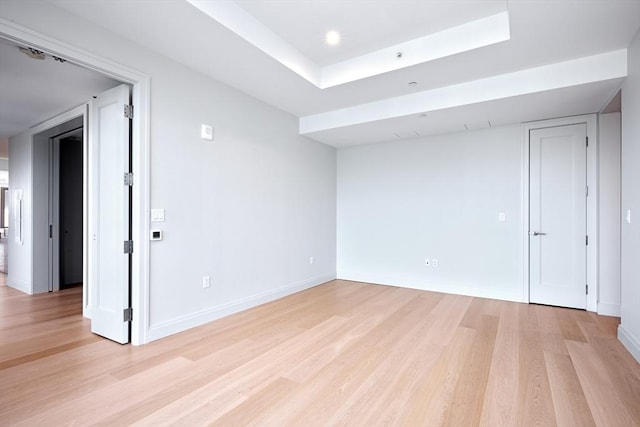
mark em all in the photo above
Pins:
pixel 81 217
pixel 66 210
pixel 46 174
pixel 139 167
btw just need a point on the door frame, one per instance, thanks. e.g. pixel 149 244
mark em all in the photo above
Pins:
pixel 140 83
pixel 591 121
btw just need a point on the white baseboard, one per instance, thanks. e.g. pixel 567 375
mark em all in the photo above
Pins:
pixel 609 309
pixel 514 295
pixel 630 342
pixel 201 317
pixel 21 286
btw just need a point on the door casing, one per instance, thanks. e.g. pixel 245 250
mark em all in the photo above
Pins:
pixel 592 201
pixel 141 84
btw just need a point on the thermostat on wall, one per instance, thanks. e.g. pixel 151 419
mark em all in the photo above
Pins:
pixel 156 234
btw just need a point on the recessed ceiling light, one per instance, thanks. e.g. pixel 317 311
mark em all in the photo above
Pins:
pixel 332 38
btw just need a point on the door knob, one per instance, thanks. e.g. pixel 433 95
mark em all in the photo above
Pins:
pixel 535 233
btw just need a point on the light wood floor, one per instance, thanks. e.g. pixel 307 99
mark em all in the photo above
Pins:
pixel 343 353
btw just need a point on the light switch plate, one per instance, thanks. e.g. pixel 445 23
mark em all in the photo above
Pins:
pixel 157 215
pixel 206 132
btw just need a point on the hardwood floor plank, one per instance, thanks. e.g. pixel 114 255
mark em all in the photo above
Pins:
pixel 232 388
pixel 535 404
pixel 553 339
pixel 343 353
pixel 501 403
pixel 605 404
pixel 478 308
pixel 570 404
pixel 323 393
pixel 468 398
pixel 202 372
pixel 251 410
pixel 433 400
pixel 53 349
pixel 569 319
pixel 48 398
pixel 394 372
pixel 623 371
pixel 102 402
pixel 395 401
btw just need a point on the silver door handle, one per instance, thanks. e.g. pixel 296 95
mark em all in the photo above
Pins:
pixel 535 233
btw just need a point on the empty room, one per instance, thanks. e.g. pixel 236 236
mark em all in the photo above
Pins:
pixel 320 212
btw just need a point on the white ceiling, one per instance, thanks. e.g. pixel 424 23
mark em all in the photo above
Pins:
pixel 386 22
pixel 521 74
pixel 33 90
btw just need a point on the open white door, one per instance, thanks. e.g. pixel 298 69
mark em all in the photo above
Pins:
pixel 109 214
pixel 54 213
pixel 558 216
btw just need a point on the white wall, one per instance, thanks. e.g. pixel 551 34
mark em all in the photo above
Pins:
pixel 436 197
pixel 248 209
pixel 19 255
pixel 609 214
pixel 629 329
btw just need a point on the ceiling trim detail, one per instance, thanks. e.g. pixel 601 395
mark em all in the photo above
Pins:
pixel 462 38
pixel 605 66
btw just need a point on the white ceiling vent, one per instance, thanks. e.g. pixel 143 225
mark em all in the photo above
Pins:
pixel 407 135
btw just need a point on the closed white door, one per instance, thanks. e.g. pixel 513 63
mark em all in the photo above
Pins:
pixel 558 216
pixel 109 214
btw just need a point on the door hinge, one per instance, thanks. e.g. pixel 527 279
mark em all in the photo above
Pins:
pixel 587 289
pixel 586 240
pixel 128 246
pixel 128 178
pixel 51 231
pixel 128 111
pixel 587 191
pixel 587 138
pixel 127 314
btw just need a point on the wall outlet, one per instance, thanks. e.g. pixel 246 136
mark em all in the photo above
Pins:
pixel 434 262
pixel 310 260
pixel 502 216
pixel 206 282
pixel 427 262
